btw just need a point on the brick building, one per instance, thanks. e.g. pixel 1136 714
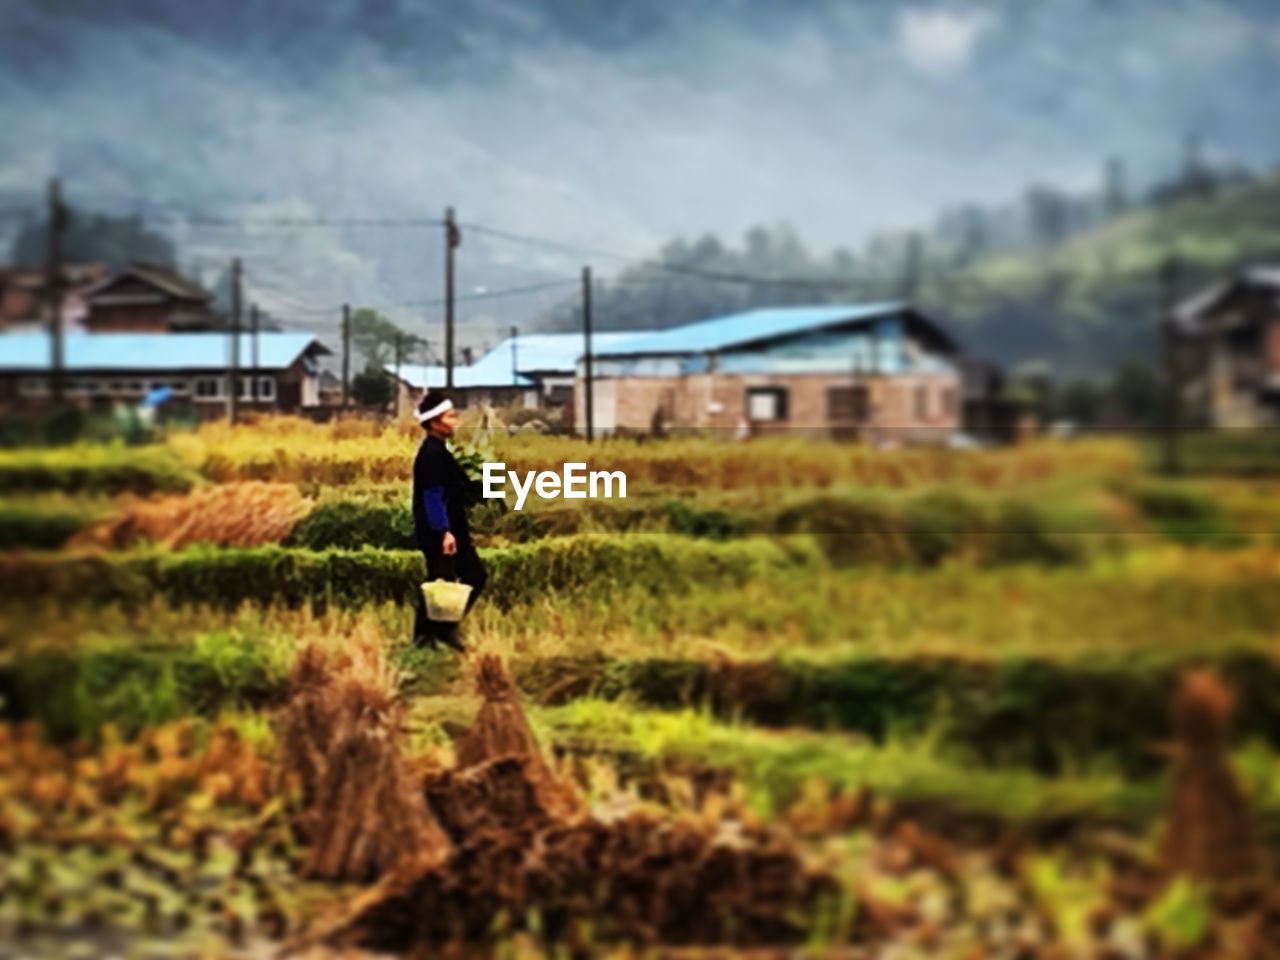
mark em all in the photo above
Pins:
pixel 24 295
pixel 881 372
pixel 148 298
pixel 1229 350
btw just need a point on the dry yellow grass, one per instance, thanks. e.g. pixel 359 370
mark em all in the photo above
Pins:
pixel 293 450
pixel 232 515
pixel 351 450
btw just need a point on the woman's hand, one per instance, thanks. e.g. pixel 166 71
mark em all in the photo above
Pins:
pixel 448 544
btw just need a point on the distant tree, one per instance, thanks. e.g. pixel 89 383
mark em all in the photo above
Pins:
pixel 912 274
pixel 1047 216
pixel 372 387
pixel 374 337
pixel 1136 395
pixel 1115 193
pixel 95 238
pixel 1080 401
pixel 967 233
pixel 843 263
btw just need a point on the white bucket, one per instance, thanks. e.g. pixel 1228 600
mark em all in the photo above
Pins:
pixel 446 600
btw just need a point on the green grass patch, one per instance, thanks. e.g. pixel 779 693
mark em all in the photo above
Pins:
pixel 774 766
pixel 226 578
pixel 28 527
pixel 1240 452
pixel 1047 715
pixel 74 693
pixel 93 469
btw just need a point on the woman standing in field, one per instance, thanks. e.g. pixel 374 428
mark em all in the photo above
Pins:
pixel 441 492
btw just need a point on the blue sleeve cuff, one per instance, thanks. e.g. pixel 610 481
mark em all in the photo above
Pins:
pixel 437 515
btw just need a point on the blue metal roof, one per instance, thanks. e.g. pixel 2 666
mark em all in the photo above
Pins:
pixel 151 351
pixel 546 352
pixel 491 370
pixel 720 333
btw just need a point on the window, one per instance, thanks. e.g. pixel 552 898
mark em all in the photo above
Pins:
pixel 922 403
pixel 178 386
pixel 32 385
pixel 559 395
pixel 848 404
pixel 266 388
pixel 949 405
pixel 116 386
pixel 135 386
pixel 208 388
pixel 766 403
pixel 92 386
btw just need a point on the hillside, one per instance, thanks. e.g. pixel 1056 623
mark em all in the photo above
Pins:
pixel 1095 299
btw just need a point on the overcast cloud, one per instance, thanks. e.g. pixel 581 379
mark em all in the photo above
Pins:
pixel 614 125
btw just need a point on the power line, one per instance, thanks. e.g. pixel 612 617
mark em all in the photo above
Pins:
pixel 498 233
pixel 201 218
pixel 301 307
pixel 642 263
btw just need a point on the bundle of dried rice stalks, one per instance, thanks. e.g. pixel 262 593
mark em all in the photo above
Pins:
pixel 501 731
pixel 229 515
pixel 341 744
pixel 1209 833
pixel 643 878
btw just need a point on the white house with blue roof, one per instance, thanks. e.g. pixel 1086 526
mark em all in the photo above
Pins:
pixel 535 369
pixel 279 371
pixel 877 371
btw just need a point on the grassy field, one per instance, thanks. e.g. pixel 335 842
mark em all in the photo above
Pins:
pixel 858 649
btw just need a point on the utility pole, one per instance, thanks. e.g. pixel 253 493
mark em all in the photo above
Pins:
pixel 396 385
pixel 233 362
pixel 53 282
pixel 514 357
pixel 253 378
pixel 588 380
pixel 1169 282
pixel 452 240
pixel 346 354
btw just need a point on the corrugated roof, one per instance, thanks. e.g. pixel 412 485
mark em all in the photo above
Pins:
pixel 152 351
pixel 751 326
pixel 545 352
pixel 489 371
pixel 1190 313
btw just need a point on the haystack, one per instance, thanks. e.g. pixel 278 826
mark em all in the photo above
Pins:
pixel 500 729
pixel 637 877
pixel 500 732
pixel 642 879
pixel 341 744
pixel 1209 834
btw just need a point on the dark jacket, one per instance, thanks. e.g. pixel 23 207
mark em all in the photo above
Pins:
pixel 436 475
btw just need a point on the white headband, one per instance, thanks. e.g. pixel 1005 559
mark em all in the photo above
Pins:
pixel 439 408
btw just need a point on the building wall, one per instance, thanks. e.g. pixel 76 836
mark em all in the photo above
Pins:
pixel 1273 347
pixel 128 318
pixel 907 407
pixel 102 389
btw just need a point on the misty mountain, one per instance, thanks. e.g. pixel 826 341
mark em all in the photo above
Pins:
pixel 1085 301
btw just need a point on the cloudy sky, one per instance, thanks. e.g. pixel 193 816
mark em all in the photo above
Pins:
pixel 608 124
